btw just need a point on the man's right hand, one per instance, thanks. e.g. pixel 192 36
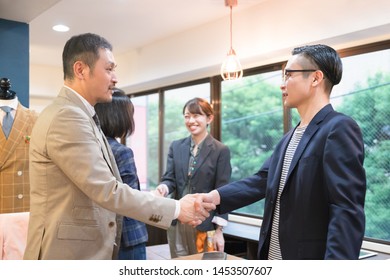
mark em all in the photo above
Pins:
pixel 194 208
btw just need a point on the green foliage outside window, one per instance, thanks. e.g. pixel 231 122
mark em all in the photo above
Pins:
pixel 369 105
pixel 252 124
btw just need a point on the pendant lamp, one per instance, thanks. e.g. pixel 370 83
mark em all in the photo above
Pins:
pixel 231 68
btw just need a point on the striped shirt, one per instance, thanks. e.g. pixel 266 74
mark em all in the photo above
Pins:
pixel 274 250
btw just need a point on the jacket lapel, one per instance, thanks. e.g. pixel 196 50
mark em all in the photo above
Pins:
pixel 110 159
pixel 70 96
pixel 204 152
pixel 313 126
pixel 105 148
pixel 185 155
pixel 278 170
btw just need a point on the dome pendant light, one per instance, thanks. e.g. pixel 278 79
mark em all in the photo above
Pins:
pixel 231 68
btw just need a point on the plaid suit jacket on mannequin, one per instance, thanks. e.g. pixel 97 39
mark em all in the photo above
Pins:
pixel 14 163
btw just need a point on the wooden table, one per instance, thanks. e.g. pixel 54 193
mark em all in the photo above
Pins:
pixel 161 252
pixel 158 252
pixel 199 257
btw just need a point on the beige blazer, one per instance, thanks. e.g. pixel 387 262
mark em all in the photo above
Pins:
pixel 74 189
pixel 14 167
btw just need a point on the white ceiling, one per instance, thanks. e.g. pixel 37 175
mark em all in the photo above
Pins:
pixel 127 24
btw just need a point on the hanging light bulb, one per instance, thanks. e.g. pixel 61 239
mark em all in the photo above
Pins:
pixel 231 68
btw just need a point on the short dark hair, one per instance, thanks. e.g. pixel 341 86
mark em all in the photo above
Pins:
pixel 116 117
pixel 85 48
pixel 197 106
pixel 326 59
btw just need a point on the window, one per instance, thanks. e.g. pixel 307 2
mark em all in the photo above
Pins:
pixel 144 141
pixel 252 124
pixel 175 99
pixel 252 121
pixel 364 94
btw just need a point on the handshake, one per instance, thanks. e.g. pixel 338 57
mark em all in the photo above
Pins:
pixel 194 208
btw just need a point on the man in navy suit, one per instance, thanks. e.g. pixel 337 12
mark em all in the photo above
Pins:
pixel 314 184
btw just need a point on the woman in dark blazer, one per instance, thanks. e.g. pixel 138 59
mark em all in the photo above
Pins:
pixel 196 164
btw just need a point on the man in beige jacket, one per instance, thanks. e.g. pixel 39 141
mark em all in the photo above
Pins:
pixel 76 191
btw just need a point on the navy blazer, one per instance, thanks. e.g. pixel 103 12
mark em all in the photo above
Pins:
pixel 322 204
pixel 212 170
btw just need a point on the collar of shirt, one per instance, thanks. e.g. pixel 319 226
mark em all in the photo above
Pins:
pixel 13 103
pixel 199 145
pixel 89 107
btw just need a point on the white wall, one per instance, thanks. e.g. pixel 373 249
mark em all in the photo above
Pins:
pixel 261 35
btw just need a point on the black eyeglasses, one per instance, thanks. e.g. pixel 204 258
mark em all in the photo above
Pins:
pixel 287 72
